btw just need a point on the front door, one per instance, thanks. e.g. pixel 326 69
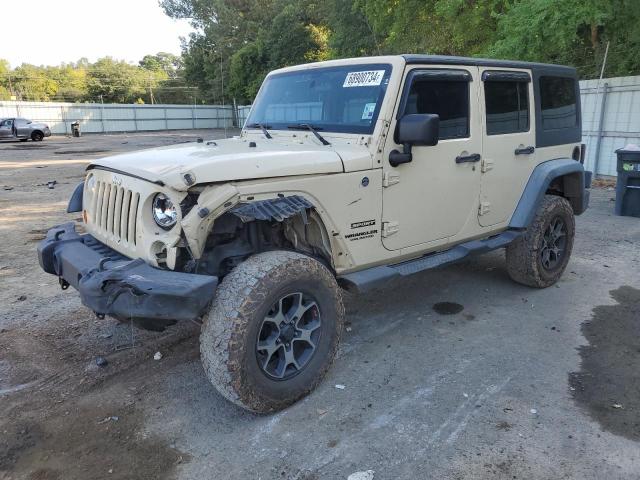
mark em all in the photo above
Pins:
pixel 508 153
pixel 6 128
pixel 429 200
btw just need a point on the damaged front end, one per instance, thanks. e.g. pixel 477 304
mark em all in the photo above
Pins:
pixel 111 284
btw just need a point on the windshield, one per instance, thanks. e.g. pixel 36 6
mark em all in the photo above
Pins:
pixel 343 99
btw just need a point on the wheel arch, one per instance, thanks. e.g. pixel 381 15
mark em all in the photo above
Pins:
pixel 564 177
pixel 289 222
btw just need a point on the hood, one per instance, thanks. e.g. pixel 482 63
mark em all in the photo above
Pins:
pixel 231 159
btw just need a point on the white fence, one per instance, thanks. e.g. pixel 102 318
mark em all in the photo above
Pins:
pixel 99 118
pixel 610 119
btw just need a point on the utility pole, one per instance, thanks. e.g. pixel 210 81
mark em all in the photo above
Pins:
pixel 222 84
pixel 595 108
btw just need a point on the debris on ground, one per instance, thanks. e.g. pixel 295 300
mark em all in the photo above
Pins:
pixel 321 412
pixel 340 387
pixel 51 184
pixel 101 362
pixel 533 411
pixel 108 419
pixel 22 298
pixel 366 475
pixel 616 405
pixel 157 356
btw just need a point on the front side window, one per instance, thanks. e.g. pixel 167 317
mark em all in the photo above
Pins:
pixel 343 99
pixel 558 102
pixel 447 98
pixel 507 107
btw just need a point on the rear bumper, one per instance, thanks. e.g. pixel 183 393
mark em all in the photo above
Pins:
pixel 111 284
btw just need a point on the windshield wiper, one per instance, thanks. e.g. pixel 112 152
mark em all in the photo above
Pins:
pixel 306 126
pixel 262 127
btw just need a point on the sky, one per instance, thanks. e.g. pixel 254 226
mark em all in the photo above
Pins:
pixel 50 32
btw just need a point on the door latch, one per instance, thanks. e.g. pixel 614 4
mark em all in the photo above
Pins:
pixel 389 228
pixel 485 207
pixel 486 165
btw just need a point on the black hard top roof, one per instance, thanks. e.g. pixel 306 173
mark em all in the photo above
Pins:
pixel 488 62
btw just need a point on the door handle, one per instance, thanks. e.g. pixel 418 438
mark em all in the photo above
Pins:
pixel 474 157
pixel 525 151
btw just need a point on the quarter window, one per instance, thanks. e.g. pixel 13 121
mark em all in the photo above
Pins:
pixel 447 98
pixel 507 107
pixel 558 102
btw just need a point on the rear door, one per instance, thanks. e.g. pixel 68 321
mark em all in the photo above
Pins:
pixel 508 141
pixel 23 129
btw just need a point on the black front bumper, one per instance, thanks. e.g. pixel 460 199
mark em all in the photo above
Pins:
pixel 111 284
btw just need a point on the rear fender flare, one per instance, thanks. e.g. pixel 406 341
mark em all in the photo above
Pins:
pixel 573 188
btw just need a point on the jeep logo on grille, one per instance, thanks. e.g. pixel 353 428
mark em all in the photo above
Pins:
pixel 116 180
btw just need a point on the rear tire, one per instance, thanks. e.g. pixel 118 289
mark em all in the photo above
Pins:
pixel 540 256
pixel 273 330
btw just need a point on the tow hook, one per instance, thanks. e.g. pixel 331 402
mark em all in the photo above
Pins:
pixel 63 283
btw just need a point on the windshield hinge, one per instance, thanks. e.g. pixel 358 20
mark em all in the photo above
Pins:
pixel 389 228
pixel 390 178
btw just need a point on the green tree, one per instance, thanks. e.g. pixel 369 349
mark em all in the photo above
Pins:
pixel 116 81
pixel 574 32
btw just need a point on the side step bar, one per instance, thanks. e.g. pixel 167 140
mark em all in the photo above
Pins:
pixel 377 277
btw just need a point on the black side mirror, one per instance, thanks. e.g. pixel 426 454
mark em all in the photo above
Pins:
pixel 414 129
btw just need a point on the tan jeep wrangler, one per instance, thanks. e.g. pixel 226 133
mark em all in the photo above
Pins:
pixel 347 174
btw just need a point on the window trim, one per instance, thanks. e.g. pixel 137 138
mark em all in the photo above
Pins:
pixel 505 76
pixel 435 74
pixel 519 84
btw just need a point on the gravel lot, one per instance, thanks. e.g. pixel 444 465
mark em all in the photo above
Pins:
pixel 520 384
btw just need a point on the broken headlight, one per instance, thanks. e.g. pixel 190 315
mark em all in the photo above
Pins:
pixel 164 211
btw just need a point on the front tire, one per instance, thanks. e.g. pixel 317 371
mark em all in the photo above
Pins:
pixel 273 330
pixel 37 136
pixel 540 256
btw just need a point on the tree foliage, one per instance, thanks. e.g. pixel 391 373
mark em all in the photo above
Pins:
pixel 238 41
pixel 157 78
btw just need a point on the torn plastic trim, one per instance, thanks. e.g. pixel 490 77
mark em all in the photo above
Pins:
pixel 278 209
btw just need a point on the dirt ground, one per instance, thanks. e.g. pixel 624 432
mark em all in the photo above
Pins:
pixel 451 374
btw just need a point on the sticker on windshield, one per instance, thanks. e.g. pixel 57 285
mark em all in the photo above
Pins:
pixel 367 113
pixel 370 78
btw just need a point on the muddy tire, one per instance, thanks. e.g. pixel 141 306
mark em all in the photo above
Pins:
pixel 272 331
pixel 540 256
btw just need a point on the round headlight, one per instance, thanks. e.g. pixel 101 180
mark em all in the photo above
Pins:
pixel 164 211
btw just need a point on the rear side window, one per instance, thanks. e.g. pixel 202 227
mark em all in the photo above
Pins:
pixel 558 102
pixel 447 98
pixel 507 107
